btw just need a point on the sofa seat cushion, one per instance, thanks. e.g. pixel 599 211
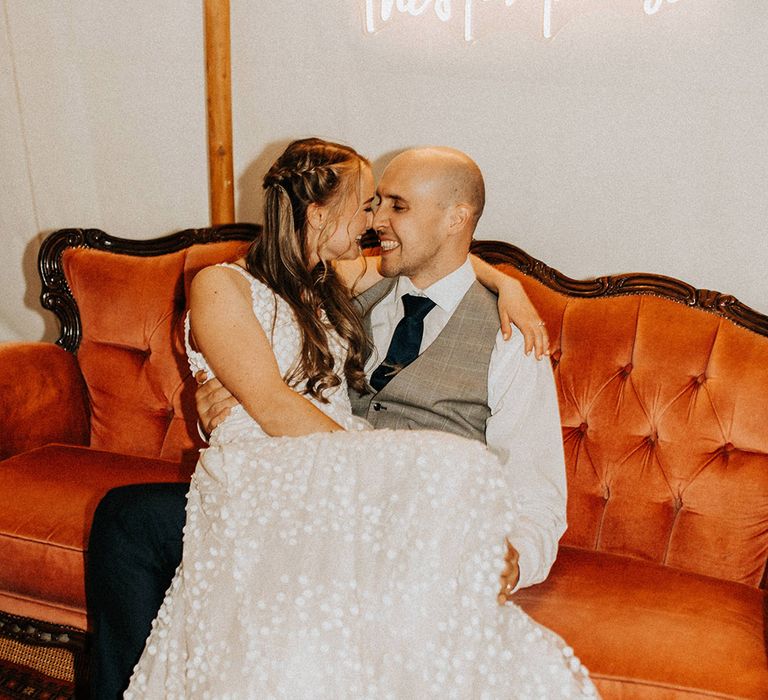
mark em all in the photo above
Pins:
pixel 649 631
pixel 49 496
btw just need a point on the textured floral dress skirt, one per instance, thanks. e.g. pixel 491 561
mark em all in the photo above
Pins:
pixel 346 565
pixel 349 565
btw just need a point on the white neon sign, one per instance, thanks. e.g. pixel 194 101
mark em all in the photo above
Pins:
pixel 380 12
pixel 651 7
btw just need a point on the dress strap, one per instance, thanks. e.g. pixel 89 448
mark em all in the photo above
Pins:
pixel 253 283
pixel 240 269
pixel 194 358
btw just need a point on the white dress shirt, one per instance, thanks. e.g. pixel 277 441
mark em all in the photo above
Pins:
pixel 523 429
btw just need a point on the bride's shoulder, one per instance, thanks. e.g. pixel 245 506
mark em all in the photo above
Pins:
pixel 232 275
pixel 223 284
pixel 231 285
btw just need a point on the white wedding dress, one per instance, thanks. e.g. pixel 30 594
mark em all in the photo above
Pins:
pixel 358 564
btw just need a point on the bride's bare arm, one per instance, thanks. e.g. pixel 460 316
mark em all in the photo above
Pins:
pixel 359 274
pixel 514 306
pixel 214 401
pixel 226 331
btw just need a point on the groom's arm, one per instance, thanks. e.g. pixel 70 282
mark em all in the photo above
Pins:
pixel 524 431
pixel 213 402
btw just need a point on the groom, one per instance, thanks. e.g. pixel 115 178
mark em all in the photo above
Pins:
pixel 465 379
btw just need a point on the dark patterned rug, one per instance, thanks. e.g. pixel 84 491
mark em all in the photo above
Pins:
pixel 21 682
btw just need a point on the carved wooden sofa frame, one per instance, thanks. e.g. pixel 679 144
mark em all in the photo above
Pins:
pixel 619 530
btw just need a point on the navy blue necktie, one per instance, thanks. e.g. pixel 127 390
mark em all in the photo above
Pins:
pixel 406 340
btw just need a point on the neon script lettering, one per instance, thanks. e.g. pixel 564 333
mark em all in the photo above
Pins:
pixel 379 12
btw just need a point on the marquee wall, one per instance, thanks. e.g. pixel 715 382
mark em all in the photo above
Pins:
pixel 626 142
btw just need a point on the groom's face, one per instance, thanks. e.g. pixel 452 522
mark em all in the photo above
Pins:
pixel 411 220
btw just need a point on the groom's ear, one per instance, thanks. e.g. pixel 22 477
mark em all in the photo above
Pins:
pixel 459 218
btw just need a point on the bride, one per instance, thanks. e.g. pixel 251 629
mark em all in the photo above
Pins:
pixel 323 559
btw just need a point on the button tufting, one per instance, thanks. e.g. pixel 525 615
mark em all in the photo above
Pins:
pixel 583 428
pixel 555 356
pixel 701 379
pixel 728 448
pixel 627 369
pixel 652 439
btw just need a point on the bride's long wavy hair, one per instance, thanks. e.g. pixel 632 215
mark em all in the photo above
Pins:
pixel 311 171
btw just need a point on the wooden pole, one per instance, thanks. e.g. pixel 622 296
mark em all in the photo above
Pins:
pixel 218 74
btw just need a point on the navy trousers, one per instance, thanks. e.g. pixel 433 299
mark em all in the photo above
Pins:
pixel 133 551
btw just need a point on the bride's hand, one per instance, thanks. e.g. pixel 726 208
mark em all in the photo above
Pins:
pixel 515 307
pixel 510 575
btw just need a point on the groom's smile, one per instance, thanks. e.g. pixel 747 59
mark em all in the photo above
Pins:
pixel 388 245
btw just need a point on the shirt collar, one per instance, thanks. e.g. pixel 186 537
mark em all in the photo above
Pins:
pixel 447 292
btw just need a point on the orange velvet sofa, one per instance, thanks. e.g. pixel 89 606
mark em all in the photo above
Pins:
pixel 660 582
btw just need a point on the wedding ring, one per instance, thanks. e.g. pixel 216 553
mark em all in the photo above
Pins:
pixel 541 323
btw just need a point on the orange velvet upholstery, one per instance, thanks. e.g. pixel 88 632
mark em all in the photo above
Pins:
pixel 31 412
pixel 128 394
pixel 44 528
pixel 132 349
pixel 660 581
pixel 650 631
pixel 664 423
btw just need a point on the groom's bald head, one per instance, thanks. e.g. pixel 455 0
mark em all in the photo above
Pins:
pixel 431 200
pixel 452 176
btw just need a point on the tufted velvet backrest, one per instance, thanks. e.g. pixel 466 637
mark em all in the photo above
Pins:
pixel 665 424
pixel 131 351
pixel 664 407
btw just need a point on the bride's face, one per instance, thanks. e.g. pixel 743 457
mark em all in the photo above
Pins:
pixel 339 240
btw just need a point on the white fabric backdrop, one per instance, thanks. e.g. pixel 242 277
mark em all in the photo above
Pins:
pixel 103 125
pixel 627 142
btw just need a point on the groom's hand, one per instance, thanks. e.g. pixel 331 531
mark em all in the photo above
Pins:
pixel 510 575
pixel 213 401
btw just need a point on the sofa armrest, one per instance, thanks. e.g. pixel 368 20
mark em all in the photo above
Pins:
pixel 43 398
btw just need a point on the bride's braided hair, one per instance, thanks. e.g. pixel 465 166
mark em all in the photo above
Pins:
pixel 310 171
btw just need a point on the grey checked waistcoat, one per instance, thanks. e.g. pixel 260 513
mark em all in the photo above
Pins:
pixel 446 387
